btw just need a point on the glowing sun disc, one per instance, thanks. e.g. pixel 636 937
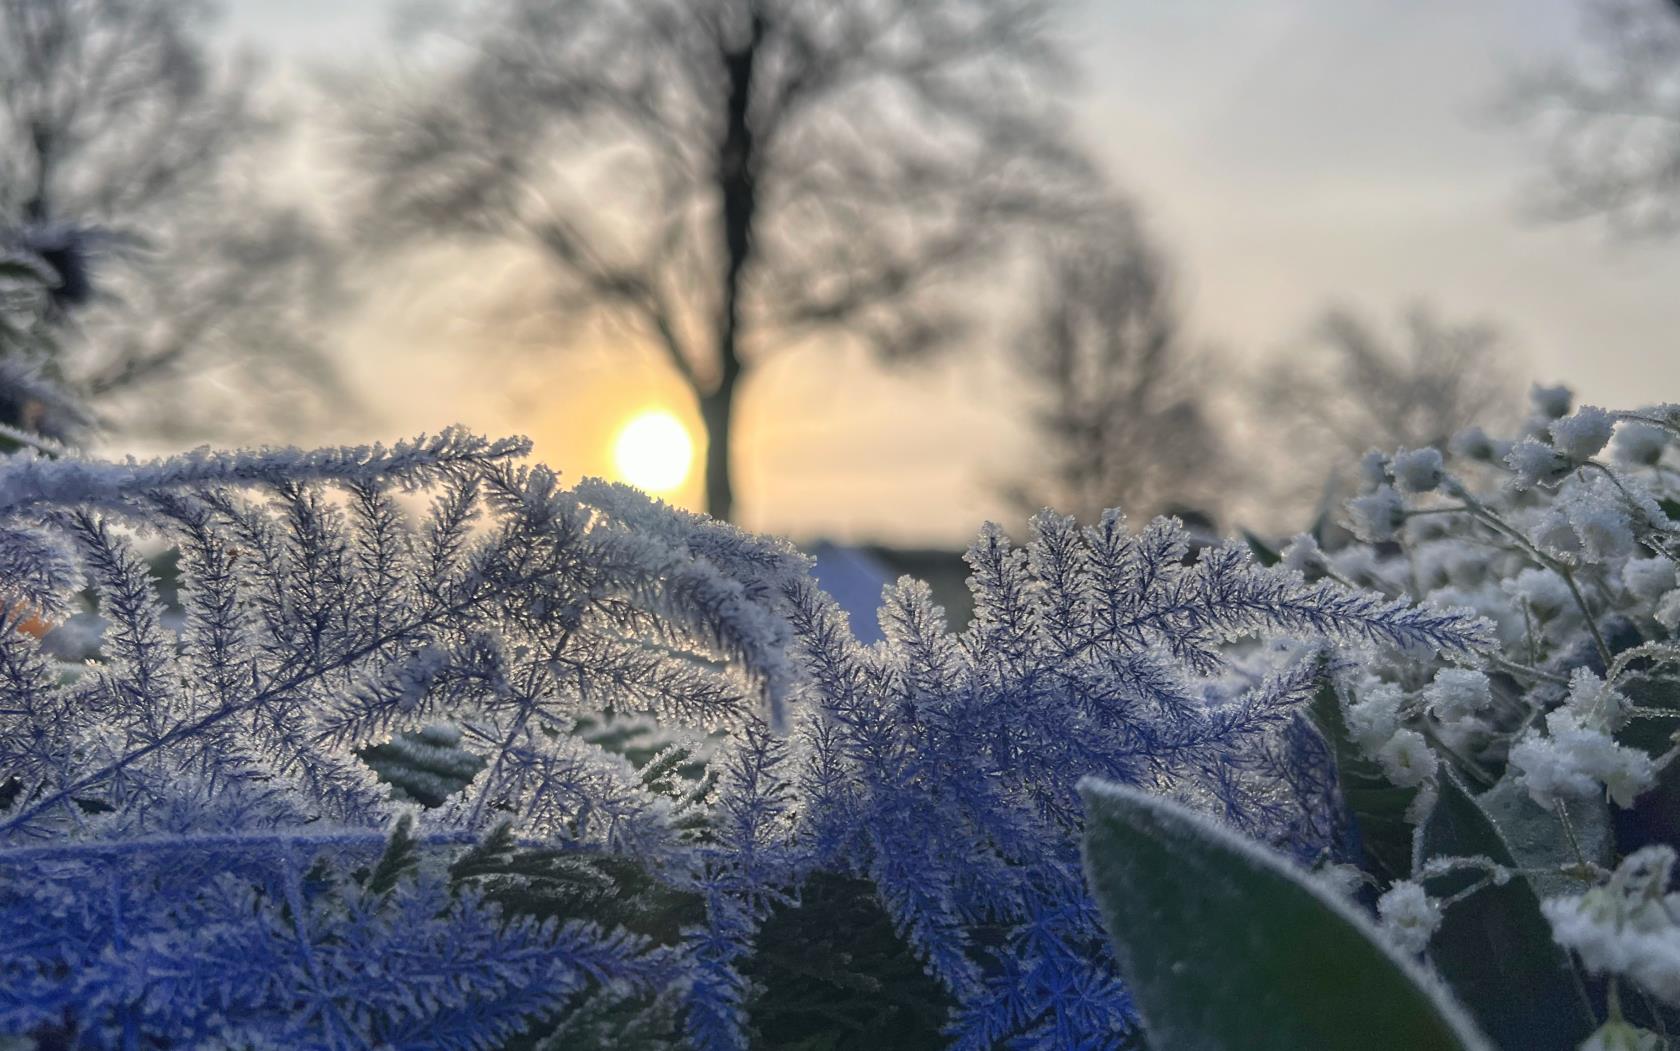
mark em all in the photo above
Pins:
pixel 653 451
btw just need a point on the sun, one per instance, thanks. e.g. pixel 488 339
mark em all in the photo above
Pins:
pixel 653 451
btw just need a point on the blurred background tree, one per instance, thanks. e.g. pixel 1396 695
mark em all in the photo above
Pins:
pixel 1352 387
pixel 735 179
pixel 127 157
pixel 1609 120
pixel 1120 399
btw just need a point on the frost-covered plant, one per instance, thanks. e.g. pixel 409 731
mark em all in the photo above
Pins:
pixel 191 851
pixel 942 767
pixel 1565 537
pixel 196 847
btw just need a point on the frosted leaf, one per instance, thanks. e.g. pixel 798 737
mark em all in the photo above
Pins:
pixel 332 632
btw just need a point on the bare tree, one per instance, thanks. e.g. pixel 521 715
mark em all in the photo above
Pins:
pixel 735 178
pixel 120 151
pixel 1610 120
pixel 1354 388
pixel 1120 395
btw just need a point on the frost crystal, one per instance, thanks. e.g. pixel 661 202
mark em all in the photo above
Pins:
pixel 1407 759
pixel 1667 612
pixel 1639 444
pixel 1584 434
pixel 1373 718
pixel 1535 462
pixel 1595 703
pixel 1648 579
pixel 1373 470
pixel 1409 916
pixel 1577 760
pixel 1417 470
pixel 1378 515
pixel 1630 926
pixel 1545 593
pixel 1604 530
pixel 1303 554
pixel 1458 693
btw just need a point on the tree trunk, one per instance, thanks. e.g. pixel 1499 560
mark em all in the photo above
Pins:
pixel 716 414
pixel 737 187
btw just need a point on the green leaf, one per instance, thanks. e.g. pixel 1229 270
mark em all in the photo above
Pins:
pixel 831 973
pixel 1226 946
pixel 1378 806
pixel 1495 948
pixel 1537 840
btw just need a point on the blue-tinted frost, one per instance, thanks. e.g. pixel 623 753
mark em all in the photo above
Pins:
pixel 188 821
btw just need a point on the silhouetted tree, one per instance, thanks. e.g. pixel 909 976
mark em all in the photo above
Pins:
pixel 1354 388
pixel 734 177
pixel 120 151
pixel 1119 396
pixel 1610 120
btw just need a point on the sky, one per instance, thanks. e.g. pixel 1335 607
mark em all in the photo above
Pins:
pixel 1290 155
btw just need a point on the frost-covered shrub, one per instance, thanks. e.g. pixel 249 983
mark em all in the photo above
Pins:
pixel 1565 537
pixel 192 851
pixel 197 847
pixel 943 767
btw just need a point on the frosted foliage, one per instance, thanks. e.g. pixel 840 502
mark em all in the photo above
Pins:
pixel 1458 693
pixel 196 848
pixel 1582 435
pixel 1409 917
pixel 185 816
pixel 1567 546
pixel 1564 536
pixel 1630 926
pixel 1417 470
pixel 948 762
